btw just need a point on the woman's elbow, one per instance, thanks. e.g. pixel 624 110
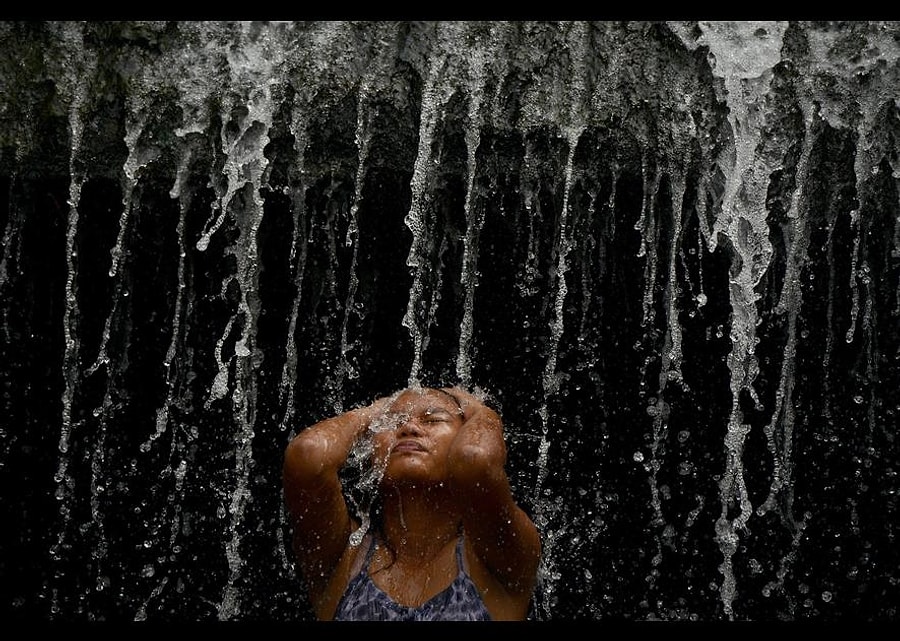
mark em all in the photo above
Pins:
pixel 305 460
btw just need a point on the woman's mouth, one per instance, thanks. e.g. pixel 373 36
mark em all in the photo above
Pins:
pixel 408 445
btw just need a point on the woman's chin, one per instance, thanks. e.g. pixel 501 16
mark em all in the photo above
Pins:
pixel 407 471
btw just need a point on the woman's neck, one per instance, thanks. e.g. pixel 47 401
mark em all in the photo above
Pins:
pixel 417 525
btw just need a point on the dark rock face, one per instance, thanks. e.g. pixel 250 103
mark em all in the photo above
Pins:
pixel 670 253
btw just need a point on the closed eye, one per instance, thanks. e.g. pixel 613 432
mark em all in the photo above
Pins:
pixel 436 416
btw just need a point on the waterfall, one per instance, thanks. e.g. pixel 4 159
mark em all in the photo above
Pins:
pixel 668 251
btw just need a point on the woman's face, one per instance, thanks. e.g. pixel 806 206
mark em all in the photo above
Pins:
pixel 415 440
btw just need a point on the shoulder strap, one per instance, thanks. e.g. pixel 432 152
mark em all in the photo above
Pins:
pixel 460 556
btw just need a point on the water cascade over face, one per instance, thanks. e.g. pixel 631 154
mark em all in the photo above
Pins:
pixel 669 252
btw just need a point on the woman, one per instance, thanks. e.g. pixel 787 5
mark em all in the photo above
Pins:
pixel 449 541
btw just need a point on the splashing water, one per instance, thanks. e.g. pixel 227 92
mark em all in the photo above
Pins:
pixel 670 249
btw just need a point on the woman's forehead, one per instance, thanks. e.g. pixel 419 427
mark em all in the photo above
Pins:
pixel 425 397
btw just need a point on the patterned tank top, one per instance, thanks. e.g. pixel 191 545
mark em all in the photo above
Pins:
pixel 365 601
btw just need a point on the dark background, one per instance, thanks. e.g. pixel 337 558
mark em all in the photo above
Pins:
pixel 615 221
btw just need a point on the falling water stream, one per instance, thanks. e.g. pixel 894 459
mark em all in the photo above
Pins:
pixel 668 251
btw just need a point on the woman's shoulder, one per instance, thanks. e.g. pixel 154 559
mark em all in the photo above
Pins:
pixel 502 602
pixel 359 552
pixel 325 599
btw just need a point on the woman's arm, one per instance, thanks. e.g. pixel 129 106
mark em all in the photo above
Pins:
pixel 319 516
pixel 502 535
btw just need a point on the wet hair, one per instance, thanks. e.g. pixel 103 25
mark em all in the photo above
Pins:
pixel 485 397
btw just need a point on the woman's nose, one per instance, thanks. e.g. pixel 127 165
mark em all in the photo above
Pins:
pixel 409 425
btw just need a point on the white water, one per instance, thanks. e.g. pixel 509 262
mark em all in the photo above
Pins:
pixel 570 88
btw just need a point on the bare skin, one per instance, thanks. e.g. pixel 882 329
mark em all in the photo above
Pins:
pixel 443 475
